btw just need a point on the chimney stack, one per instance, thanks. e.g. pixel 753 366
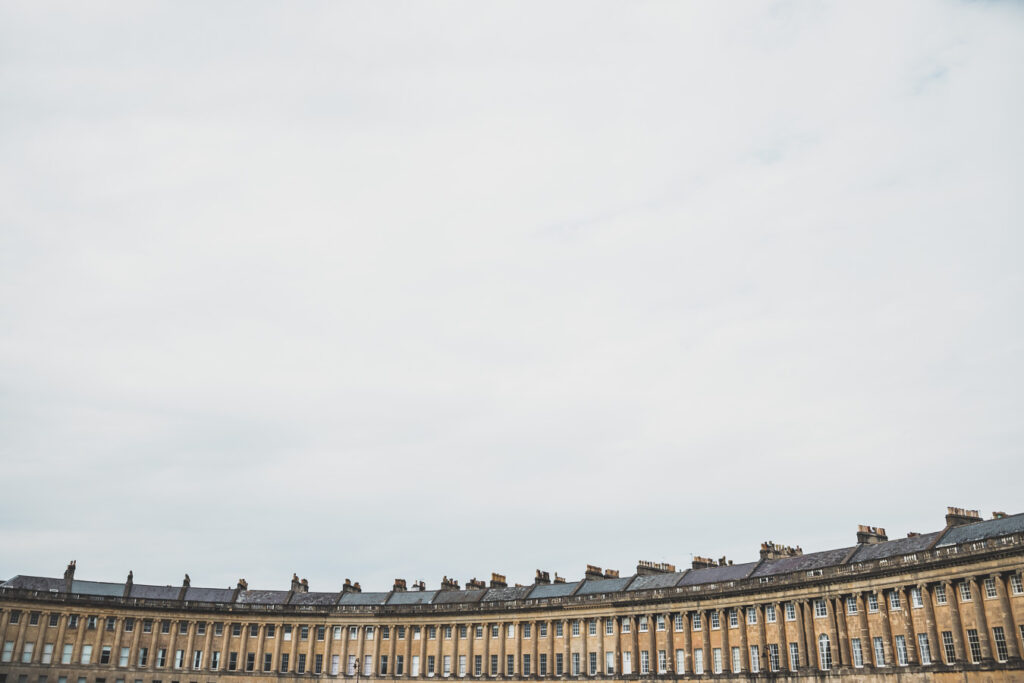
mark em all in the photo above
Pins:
pixel 702 562
pixel 419 585
pixel 348 587
pixel 559 579
pixel 593 572
pixel 960 516
pixel 774 551
pixel 69 576
pixel 498 580
pixel 611 573
pixel 542 578
pixel 243 585
pixel 998 515
pixel 128 584
pixel 295 583
pixel 304 586
pixel 644 567
pixel 474 584
pixel 449 584
pixel 870 534
pixel 399 586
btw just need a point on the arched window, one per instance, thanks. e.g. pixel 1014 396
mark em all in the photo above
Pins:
pixel 824 653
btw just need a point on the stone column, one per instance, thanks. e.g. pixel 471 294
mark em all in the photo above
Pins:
pixel 343 668
pixel 843 648
pixel 172 642
pixel 375 665
pixel 440 647
pixel 309 647
pixel 780 624
pixel 1006 615
pixel 709 664
pixel 726 649
pixel 687 646
pixel 670 641
pixel 617 657
pixel 832 626
pixel 485 670
pixel 207 641
pixel 883 609
pixel 58 646
pixel 931 626
pixel 762 634
pixel 76 651
pixel 361 647
pixel 978 597
pixel 866 647
pixel 908 625
pixel 567 666
pixel 652 624
pixel 535 649
pixel 224 649
pixel 37 650
pixel 953 600
pixel 743 620
pixel 801 620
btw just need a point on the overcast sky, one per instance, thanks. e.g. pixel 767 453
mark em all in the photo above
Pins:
pixel 378 290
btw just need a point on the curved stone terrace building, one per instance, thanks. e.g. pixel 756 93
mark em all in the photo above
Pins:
pixel 941 606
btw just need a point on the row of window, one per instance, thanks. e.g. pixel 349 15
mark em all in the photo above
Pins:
pixel 878 652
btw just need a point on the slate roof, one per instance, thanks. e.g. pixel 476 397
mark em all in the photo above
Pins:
pixel 35 583
pixel 412 598
pixel 900 546
pixel 800 563
pixel 451 597
pixel 593 586
pixel 363 598
pixel 208 594
pixel 141 590
pixel 553 590
pixel 976 531
pixel 262 597
pixel 315 599
pixel 979 531
pixel 510 593
pixel 730 572
pixel 113 590
pixel 649 581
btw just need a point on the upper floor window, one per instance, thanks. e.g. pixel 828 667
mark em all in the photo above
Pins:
pixel 851 605
pixel 990 588
pixel 820 608
pixel 790 612
pixel 751 615
pixel 715 623
pixel 965 591
pixel 872 602
pixel 894 599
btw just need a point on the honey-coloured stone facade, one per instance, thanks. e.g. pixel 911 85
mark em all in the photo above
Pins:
pixel 942 606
